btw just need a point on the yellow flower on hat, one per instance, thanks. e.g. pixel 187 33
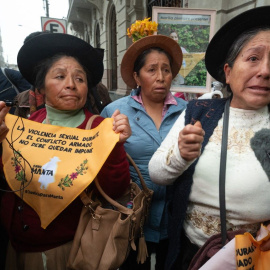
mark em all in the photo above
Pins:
pixel 141 29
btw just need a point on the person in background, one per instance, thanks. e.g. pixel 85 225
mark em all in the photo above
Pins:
pixel 189 157
pixel 148 66
pixel 11 84
pixel 178 80
pixel 174 35
pixel 99 98
pixel 14 82
pixel 63 68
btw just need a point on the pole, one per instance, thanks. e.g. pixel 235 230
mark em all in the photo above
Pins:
pixel 46 7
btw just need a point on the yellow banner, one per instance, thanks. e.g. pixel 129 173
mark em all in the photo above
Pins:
pixel 248 253
pixel 190 60
pixel 51 165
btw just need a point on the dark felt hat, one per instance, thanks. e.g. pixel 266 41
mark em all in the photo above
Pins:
pixel 166 43
pixel 222 41
pixel 41 47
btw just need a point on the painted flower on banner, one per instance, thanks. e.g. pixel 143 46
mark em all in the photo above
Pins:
pixel 141 29
pixel 67 181
pixel 16 162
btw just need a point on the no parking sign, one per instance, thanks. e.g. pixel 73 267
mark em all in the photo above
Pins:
pixel 53 25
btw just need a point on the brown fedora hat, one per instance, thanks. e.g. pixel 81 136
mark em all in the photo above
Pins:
pixel 166 43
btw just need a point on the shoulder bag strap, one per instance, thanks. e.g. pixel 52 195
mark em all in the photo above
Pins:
pixel 6 75
pixel 222 172
pixel 90 121
pixel 109 199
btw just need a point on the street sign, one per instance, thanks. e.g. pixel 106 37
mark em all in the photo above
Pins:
pixel 53 25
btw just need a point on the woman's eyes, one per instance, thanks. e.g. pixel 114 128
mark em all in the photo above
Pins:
pixel 77 78
pixel 164 69
pixel 80 79
pixel 253 58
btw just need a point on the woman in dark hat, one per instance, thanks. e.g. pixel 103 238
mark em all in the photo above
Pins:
pixel 148 66
pixel 63 67
pixel 189 158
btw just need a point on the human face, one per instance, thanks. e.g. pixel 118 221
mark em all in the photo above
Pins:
pixel 174 36
pixel 66 85
pixel 249 78
pixel 155 77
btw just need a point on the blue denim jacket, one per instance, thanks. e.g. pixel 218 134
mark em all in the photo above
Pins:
pixel 141 145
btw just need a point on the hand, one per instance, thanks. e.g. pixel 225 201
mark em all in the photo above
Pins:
pixel 121 125
pixel 3 128
pixel 190 141
pixel 265 246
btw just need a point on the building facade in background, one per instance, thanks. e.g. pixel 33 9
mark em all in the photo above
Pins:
pixel 104 23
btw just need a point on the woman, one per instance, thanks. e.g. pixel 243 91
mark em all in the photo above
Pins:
pixel 189 157
pixel 174 36
pixel 178 80
pixel 148 66
pixel 63 68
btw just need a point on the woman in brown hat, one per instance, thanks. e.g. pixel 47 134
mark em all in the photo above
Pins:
pixel 148 66
pixel 63 68
pixel 196 154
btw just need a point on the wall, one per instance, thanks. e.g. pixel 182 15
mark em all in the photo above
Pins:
pixel 85 15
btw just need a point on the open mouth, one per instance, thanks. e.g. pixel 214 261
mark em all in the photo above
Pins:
pixel 160 88
pixel 260 88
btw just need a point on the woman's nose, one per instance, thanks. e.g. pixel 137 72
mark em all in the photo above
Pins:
pixel 160 75
pixel 70 82
pixel 265 69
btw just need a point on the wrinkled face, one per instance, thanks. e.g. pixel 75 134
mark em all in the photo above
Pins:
pixel 249 78
pixel 174 36
pixel 66 85
pixel 155 77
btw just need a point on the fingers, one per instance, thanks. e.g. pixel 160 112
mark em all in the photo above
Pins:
pixel 3 128
pixel 3 131
pixel 3 111
pixel 117 112
pixel 190 141
pixel 194 129
pixel 198 124
pixel 121 125
pixel 265 246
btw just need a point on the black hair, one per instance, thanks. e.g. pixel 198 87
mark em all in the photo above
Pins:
pixel 140 61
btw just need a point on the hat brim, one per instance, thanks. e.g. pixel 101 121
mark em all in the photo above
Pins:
pixel 166 43
pixel 45 46
pixel 221 42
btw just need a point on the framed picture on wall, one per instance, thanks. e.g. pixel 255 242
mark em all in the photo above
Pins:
pixel 192 29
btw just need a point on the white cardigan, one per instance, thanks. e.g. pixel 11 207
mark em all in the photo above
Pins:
pixel 247 185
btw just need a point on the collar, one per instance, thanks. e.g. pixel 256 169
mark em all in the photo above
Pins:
pixel 169 100
pixel 64 118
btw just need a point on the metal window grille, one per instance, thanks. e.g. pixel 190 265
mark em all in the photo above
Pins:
pixel 165 3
